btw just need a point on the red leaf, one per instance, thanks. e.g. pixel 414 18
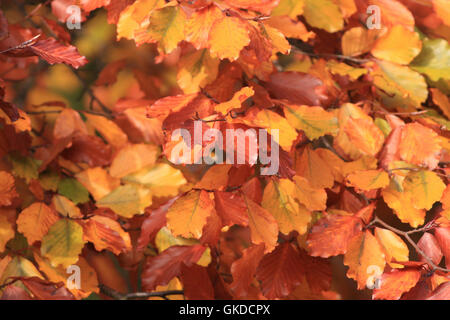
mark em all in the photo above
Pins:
pixel 443 238
pixel 45 290
pixel 441 293
pixel 231 208
pixel 318 272
pixel 280 271
pixel 430 247
pixel 89 149
pixel 13 292
pixel 153 223
pixel 243 270
pixel 297 87
pixel 54 52
pixel 212 230
pixel 395 283
pixel 196 283
pixel 339 228
pixel 10 110
pixel 161 269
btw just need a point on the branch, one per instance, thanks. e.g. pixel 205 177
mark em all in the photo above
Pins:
pixel 137 295
pixel 406 234
pixel 329 55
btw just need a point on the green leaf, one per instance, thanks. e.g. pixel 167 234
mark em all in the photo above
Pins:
pixel 73 190
pixel 25 167
pixel 63 243
pixel 434 59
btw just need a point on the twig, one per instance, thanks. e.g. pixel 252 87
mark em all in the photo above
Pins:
pixel 406 234
pixel 329 55
pixel 137 295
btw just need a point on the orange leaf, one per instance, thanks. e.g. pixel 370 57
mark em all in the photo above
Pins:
pixel 35 221
pixel 340 228
pixel 393 284
pixel 413 150
pixel 244 268
pixel 363 254
pixel 7 189
pixel 106 233
pixel 187 216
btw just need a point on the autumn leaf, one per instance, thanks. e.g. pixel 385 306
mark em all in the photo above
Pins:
pixel 35 221
pixel 363 252
pixel 132 158
pixel 425 188
pixel 393 284
pixel 161 269
pixel 54 52
pixel 279 200
pixel 263 226
pixel 106 233
pixel 243 269
pixel 314 121
pixel 127 200
pixel 368 180
pixel 7 189
pixel 188 214
pixel 221 30
pixel 393 246
pixel 6 232
pixel 280 271
pixel 63 243
pixel 342 228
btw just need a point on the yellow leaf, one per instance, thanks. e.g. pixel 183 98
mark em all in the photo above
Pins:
pixel 402 204
pixel 63 243
pixel 314 121
pixel 132 158
pixel 278 199
pixel 311 198
pixel 187 216
pixel 364 254
pixel 88 276
pixel 393 246
pixel 358 40
pixel 399 45
pixel 263 226
pixel 275 125
pixel 368 180
pixel 291 8
pixel 311 166
pixel 35 221
pixel 228 37
pixel 196 70
pixel 127 200
pixel 131 17
pixel 108 129
pixel 399 86
pixel 18 267
pixel 323 14
pixel 66 207
pixel 97 181
pixel 162 179
pixel 6 232
pixel 364 135
pixel 235 103
pixel 425 188
pixel 166 27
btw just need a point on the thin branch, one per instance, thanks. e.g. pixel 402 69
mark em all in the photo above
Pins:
pixel 329 55
pixel 406 234
pixel 137 295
